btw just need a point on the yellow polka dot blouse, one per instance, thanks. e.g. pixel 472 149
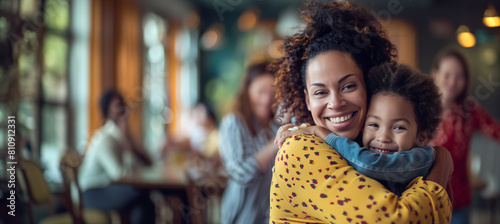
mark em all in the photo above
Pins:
pixel 312 183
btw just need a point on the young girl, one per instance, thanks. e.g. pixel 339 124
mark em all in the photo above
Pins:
pixel 404 111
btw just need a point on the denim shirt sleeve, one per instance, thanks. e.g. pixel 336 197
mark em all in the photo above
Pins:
pixel 400 167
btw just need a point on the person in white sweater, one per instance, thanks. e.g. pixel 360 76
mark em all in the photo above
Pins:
pixel 112 154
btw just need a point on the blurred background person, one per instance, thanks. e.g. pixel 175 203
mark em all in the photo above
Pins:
pixel 247 149
pixel 461 118
pixel 113 154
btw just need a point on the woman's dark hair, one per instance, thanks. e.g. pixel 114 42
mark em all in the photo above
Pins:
pixel 243 106
pixel 106 99
pixel 412 85
pixel 453 53
pixel 336 26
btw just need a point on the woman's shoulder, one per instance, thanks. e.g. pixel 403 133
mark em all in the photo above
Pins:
pixel 231 123
pixel 307 142
pixel 230 120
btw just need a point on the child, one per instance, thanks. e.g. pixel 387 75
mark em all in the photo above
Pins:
pixel 404 111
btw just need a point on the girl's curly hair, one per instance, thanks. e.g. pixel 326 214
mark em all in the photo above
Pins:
pixel 412 85
pixel 337 26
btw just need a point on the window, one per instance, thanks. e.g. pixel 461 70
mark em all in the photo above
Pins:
pixel 155 104
pixel 35 71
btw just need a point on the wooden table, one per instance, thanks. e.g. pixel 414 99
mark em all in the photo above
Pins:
pixel 171 180
pixel 158 176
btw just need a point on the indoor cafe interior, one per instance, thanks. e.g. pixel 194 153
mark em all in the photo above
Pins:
pixel 112 111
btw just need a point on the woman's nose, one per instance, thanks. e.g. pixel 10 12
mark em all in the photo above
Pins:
pixel 335 101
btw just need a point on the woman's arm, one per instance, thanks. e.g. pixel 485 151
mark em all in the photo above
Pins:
pixel 265 157
pixel 400 167
pixel 108 155
pixel 236 150
pixel 130 144
pixel 484 122
pixel 313 182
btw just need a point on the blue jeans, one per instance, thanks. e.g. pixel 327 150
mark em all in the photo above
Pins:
pixel 122 198
pixel 395 171
pixel 460 216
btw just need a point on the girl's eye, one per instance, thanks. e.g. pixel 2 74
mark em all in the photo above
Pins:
pixel 398 127
pixel 373 125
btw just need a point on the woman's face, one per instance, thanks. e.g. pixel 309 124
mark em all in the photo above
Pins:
pixel 450 78
pixel 117 108
pixel 261 93
pixel 336 93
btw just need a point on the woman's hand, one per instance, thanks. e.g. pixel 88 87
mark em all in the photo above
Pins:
pixel 266 156
pixel 290 130
pixel 442 169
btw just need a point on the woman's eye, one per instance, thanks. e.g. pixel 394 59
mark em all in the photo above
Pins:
pixel 349 87
pixel 319 93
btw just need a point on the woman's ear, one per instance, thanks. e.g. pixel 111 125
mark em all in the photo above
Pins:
pixel 422 138
pixel 307 100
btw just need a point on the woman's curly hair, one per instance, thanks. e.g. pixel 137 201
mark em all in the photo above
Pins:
pixel 330 26
pixel 412 85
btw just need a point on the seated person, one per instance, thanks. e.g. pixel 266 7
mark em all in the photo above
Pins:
pixel 112 154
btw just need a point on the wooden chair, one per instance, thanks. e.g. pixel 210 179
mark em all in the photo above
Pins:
pixel 36 190
pixel 69 164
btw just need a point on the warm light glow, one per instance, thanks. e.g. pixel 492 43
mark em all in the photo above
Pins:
pixel 466 39
pixel 210 38
pixel 491 17
pixel 274 49
pixel 247 20
pixel 213 37
pixel 492 21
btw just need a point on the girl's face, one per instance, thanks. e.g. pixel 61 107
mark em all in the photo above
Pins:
pixel 391 125
pixel 336 93
pixel 450 78
pixel 261 93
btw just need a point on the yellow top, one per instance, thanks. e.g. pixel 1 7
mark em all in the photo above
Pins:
pixel 312 183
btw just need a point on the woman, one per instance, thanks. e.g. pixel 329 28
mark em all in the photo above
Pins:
pixel 246 144
pixel 322 79
pixel 461 118
pixel 112 154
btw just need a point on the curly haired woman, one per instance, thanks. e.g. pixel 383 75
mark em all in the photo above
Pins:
pixel 322 79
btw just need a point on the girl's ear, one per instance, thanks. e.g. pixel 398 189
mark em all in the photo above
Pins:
pixel 422 138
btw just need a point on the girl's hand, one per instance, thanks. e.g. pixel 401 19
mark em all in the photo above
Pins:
pixel 290 130
pixel 442 168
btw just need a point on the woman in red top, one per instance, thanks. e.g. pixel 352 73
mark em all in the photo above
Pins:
pixel 461 117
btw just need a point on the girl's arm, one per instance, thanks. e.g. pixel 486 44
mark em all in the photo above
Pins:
pixel 400 167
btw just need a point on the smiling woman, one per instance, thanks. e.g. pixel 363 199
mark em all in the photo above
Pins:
pixel 322 79
pixel 247 149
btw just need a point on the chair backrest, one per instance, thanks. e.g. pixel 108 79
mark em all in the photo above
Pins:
pixel 69 164
pixel 33 183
